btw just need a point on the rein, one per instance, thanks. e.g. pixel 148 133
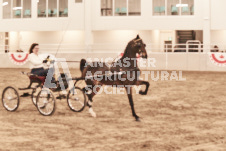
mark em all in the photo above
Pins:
pixel 62 38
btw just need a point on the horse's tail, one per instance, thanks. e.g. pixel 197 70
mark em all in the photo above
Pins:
pixel 82 64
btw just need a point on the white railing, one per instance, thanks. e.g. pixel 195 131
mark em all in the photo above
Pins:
pixel 111 48
pixel 197 59
pixel 51 48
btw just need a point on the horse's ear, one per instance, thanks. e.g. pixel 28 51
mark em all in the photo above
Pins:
pixel 138 37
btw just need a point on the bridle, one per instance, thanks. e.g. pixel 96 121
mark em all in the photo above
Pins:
pixel 136 43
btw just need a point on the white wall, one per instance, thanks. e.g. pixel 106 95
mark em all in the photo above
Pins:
pixel 164 36
pixel 52 37
pixel 14 40
pixel 111 40
pixel 199 35
pixel 218 37
pixel 146 21
pixel 74 21
pixel 155 40
pixel 117 40
pixel 218 13
pixel 2 37
pixel 66 41
pixel 121 36
pixel 152 25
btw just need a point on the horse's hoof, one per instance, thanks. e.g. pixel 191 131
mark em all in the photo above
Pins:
pixel 93 114
pixel 142 93
pixel 137 119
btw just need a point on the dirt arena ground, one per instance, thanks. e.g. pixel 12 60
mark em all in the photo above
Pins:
pixel 175 115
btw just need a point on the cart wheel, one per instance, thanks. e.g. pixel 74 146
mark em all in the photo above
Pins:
pixel 10 99
pixel 34 95
pixel 76 99
pixel 45 102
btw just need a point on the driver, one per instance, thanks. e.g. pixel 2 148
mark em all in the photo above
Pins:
pixel 36 63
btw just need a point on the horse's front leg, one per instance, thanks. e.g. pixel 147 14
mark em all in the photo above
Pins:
pixel 143 83
pixel 129 94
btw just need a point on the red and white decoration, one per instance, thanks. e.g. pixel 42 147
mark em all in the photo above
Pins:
pixel 18 58
pixel 218 59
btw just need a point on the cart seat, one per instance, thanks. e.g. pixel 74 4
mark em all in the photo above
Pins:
pixel 38 79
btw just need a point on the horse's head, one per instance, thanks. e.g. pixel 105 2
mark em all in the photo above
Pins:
pixel 139 46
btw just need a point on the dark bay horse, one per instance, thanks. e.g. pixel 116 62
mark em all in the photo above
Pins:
pixel 122 73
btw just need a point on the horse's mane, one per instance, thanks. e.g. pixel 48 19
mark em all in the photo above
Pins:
pixel 128 47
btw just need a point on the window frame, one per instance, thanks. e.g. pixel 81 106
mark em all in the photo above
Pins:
pixel 179 10
pixel 113 10
pixel 11 4
pixel 58 10
pixel 12 11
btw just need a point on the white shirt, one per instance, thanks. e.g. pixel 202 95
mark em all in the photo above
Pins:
pixel 35 61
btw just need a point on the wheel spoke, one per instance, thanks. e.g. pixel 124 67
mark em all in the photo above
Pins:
pixel 10 98
pixel 45 102
pixel 81 103
pixel 76 100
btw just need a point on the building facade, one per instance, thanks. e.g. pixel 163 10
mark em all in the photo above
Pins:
pixel 107 25
pixel 101 22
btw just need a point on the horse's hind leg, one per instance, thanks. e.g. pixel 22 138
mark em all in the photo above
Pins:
pixel 90 101
pixel 146 89
pixel 129 94
pixel 89 104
